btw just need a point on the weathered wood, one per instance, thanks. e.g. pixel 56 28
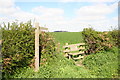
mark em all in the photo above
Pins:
pixel 37 32
pixel 58 47
pixel 72 45
pixel 66 55
pixel 74 48
pixel 65 51
pixel 82 48
pixel 36 47
pixel 80 57
pixel 81 44
pixel 65 46
pixel 81 52
pixel 74 53
pixel 43 28
pixel 0 42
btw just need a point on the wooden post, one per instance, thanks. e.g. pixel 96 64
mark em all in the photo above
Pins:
pixel 36 47
pixel 58 48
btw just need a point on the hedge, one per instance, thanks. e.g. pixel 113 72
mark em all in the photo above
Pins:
pixel 18 46
pixel 97 41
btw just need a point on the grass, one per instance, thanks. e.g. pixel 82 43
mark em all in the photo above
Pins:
pixel 68 37
pixel 104 64
pixel 59 67
pixel 101 65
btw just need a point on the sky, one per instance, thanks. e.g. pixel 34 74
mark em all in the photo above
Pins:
pixel 66 15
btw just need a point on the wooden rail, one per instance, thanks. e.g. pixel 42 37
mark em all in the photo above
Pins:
pixel 69 51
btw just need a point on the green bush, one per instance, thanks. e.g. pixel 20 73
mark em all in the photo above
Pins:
pixel 18 47
pixel 96 41
pixel 103 65
pixel 115 37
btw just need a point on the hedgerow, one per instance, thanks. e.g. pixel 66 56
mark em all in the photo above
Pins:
pixel 18 48
pixel 104 64
pixel 96 41
pixel 115 37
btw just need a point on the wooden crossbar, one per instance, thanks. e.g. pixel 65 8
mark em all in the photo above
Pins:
pixel 65 51
pixel 81 52
pixel 74 47
pixel 82 48
pixel 80 57
pixel 43 28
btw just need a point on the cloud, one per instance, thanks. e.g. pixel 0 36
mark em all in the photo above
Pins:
pixel 95 15
pixel 65 0
pixel 42 14
pixel 8 11
pixel 115 18
pixel 88 0
pixel 98 9
pixel 23 16
pixel 49 13
pixel 8 7
pixel 3 19
pixel 95 12
pixel 54 18
pixel 6 3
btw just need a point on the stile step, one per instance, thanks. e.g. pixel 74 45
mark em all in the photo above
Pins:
pixel 80 57
pixel 81 52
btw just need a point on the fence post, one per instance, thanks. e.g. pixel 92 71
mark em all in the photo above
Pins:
pixel 58 47
pixel 36 47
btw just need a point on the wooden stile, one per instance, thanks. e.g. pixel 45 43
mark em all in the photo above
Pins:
pixel 74 47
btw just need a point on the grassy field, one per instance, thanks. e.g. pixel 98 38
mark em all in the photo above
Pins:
pixel 68 37
pixel 101 65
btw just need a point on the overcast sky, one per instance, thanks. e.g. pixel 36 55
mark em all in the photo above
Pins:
pixel 68 15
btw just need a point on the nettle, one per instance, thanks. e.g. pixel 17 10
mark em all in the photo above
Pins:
pixel 96 41
pixel 18 48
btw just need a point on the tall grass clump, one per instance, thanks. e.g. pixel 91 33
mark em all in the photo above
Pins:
pixel 104 64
